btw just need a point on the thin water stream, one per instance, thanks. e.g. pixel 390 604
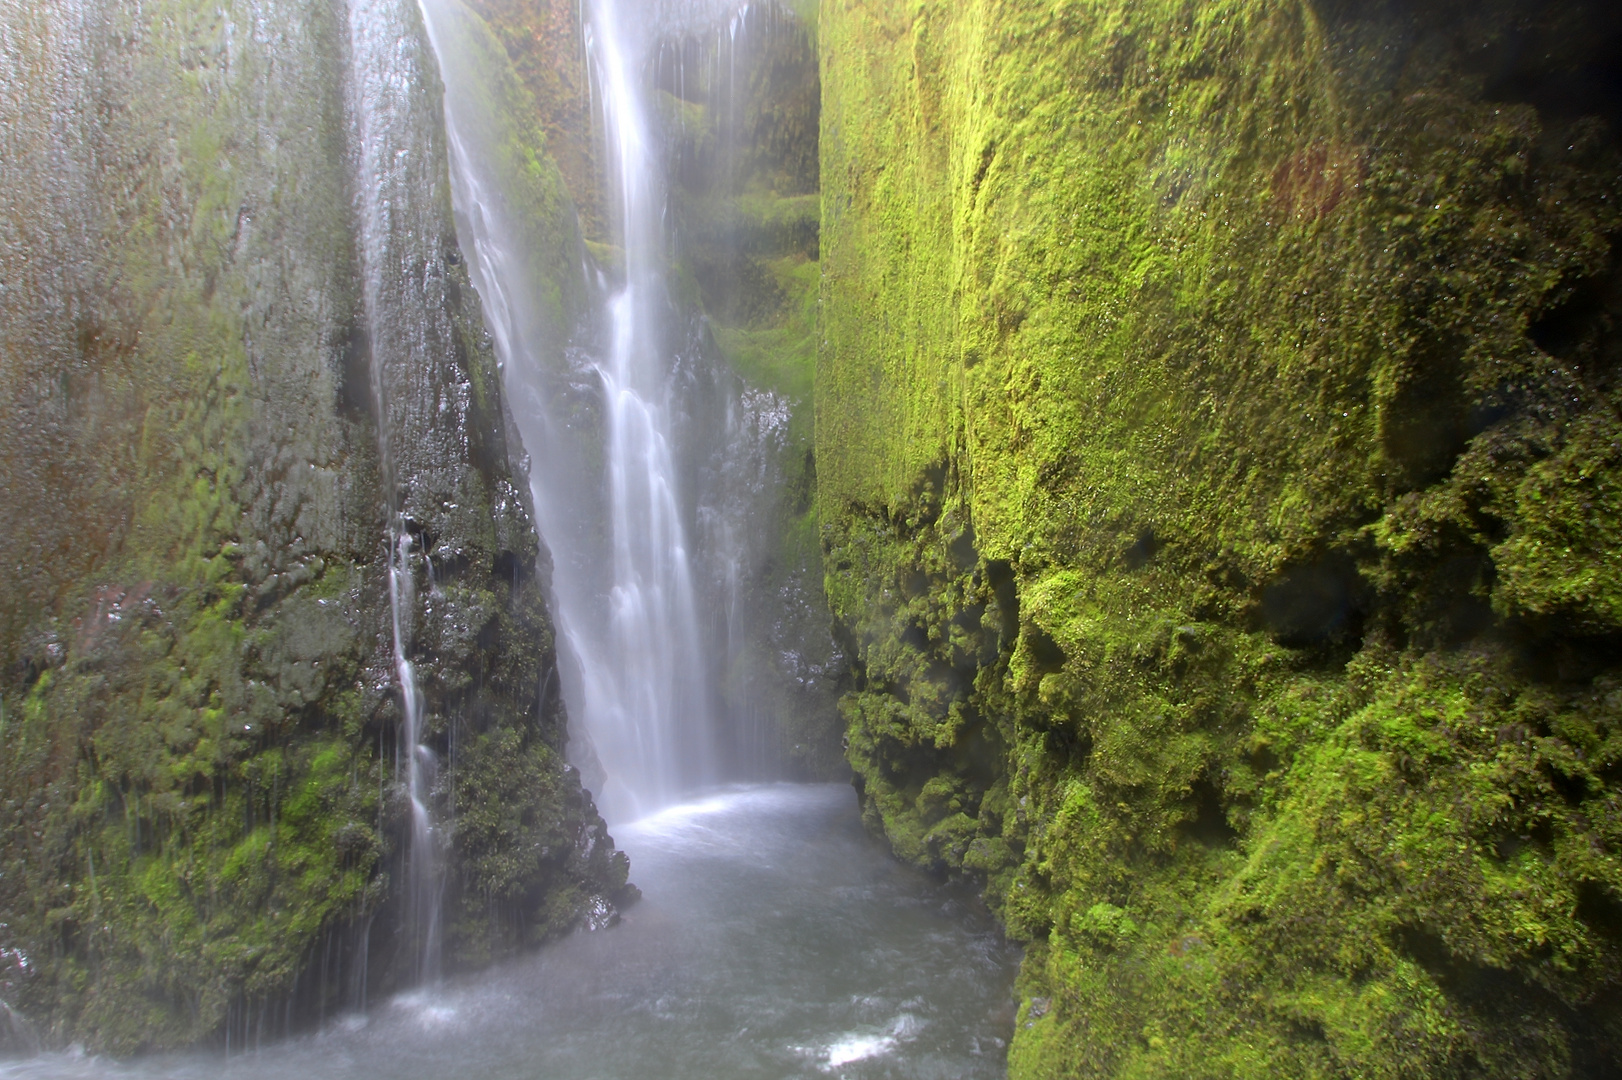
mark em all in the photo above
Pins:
pixel 392 194
pixel 775 939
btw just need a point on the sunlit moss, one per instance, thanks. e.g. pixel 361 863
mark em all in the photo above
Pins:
pixel 1221 532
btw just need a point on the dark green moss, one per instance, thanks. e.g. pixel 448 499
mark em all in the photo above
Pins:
pixel 201 822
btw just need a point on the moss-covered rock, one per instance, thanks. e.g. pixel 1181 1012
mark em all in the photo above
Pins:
pixel 543 45
pixel 1216 411
pixel 202 825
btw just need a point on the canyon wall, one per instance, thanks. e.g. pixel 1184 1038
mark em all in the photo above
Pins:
pixel 204 829
pixel 1220 481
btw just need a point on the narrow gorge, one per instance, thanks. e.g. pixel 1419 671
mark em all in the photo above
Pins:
pixel 577 538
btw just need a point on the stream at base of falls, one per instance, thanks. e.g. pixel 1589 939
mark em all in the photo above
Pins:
pixel 775 938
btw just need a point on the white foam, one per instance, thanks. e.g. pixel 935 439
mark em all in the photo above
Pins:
pixel 858 1048
pixel 430 1012
pixel 862 1045
pixel 671 818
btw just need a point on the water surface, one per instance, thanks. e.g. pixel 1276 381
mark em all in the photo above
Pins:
pixel 774 939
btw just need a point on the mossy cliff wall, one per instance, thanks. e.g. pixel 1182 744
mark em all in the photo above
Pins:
pixel 542 42
pixel 202 824
pixel 1220 476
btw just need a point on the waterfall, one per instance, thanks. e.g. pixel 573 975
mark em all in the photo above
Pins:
pixel 656 699
pixel 608 494
pixel 391 197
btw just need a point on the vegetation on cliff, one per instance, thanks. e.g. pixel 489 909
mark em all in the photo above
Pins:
pixel 1217 429
pixel 202 828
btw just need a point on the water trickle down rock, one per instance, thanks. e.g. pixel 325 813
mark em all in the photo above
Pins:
pixel 199 680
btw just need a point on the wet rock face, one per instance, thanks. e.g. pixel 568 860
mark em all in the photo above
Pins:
pixel 1216 451
pixel 737 99
pixel 200 814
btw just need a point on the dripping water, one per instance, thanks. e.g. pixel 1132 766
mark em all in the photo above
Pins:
pixel 382 67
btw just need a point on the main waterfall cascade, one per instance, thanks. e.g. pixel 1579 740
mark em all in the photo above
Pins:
pixel 646 563
pixel 647 707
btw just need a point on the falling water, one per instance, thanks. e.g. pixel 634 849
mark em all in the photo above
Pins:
pixel 624 586
pixel 384 67
pixel 420 765
pixel 655 709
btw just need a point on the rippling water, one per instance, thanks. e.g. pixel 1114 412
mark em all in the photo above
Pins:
pixel 775 939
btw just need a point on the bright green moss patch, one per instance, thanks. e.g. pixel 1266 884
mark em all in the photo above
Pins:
pixel 1215 424
pixel 1563 561
pixel 780 356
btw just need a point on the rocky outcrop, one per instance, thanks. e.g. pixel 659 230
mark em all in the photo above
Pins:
pixel 202 822
pixel 1217 425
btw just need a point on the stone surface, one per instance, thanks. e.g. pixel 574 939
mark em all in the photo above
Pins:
pixel 201 819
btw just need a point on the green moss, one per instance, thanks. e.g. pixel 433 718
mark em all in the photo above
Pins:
pixel 1218 528
pixel 198 800
pixel 542 41
pixel 497 111
pixel 1561 561
pixel 780 357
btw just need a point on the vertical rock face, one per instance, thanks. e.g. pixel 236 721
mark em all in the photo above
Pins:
pixel 202 826
pixel 739 100
pixel 542 44
pixel 1217 454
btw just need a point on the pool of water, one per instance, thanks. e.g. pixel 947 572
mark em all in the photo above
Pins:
pixel 775 938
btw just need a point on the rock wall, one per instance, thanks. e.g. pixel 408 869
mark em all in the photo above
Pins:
pixel 739 101
pixel 542 41
pixel 203 828
pixel 1217 427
